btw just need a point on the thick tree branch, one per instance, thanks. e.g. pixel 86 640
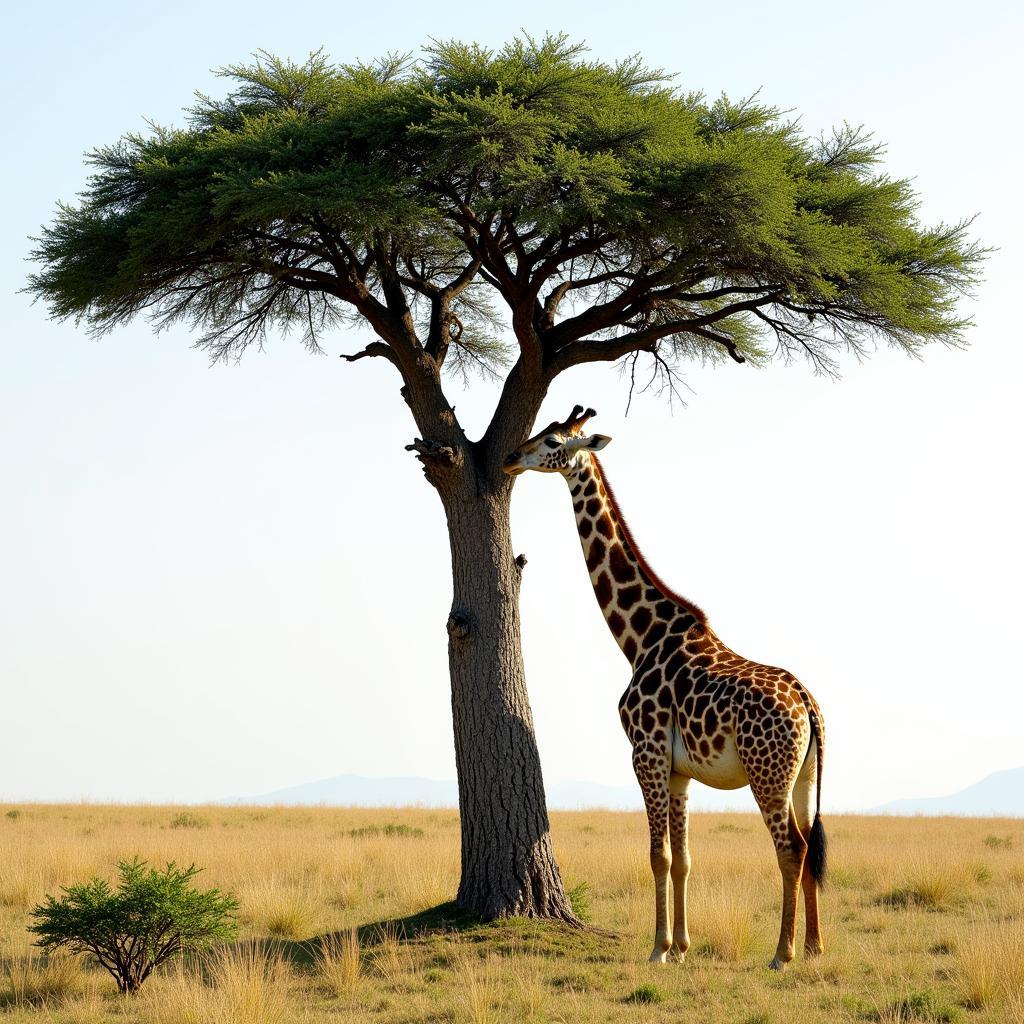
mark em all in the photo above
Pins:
pixel 644 339
pixel 374 349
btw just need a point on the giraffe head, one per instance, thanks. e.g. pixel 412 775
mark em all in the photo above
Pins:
pixel 557 447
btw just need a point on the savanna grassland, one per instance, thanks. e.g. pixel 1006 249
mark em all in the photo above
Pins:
pixel 342 921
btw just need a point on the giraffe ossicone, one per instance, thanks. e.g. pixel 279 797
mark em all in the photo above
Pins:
pixel 693 709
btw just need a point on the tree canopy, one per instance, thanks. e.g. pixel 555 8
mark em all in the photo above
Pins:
pixel 611 212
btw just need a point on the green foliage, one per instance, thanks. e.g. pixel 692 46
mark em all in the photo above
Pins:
pixel 579 899
pixel 991 841
pixel 390 829
pixel 411 192
pixel 187 820
pixel 14 814
pixel 152 917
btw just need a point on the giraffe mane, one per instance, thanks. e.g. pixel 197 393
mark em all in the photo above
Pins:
pixel 695 610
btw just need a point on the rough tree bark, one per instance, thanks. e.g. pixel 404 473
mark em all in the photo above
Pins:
pixel 508 863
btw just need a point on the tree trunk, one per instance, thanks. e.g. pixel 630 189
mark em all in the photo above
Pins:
pixel 508 865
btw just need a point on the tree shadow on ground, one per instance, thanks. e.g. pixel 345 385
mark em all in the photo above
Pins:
pixel 446 922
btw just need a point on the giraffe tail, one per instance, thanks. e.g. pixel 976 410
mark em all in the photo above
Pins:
pixel 817 841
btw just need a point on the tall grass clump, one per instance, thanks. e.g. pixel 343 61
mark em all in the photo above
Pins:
pixel 337 962
pixel 251 985
pixel 245 984
pixel 43 981
pixel 929 886
pixel 480 994
pixel 725 923
pixel 990 963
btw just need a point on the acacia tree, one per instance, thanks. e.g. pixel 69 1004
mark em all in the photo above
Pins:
pixel 596 210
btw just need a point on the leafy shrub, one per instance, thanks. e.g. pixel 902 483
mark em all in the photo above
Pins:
pixel 151 918
pixel 14 814
pixel 992 842
pixel 579 900
pixel 187 820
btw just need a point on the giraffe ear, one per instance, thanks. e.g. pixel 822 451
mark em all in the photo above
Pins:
pixel 597 442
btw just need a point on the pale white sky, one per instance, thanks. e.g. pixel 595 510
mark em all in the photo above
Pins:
pixel 224 581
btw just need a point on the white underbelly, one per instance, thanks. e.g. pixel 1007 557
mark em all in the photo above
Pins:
pixel 722 770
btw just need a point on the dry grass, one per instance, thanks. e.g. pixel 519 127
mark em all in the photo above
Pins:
pixel 247 984
pixel 724 920
pixel 990 962
pixel 45 980
pixel 338 963
pixel 924 922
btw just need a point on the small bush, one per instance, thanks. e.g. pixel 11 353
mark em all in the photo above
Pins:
pixel 646 994
pixel 579 900
pixel 186 820
pixel 152 917
pixel 14 814
pixel 992 842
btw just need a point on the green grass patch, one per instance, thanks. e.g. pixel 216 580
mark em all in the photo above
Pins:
pixel 646 994
pixel 925 1006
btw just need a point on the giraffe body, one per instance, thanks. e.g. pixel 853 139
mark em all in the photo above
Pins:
pixel 693 709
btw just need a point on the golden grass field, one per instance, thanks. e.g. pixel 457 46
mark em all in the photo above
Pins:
pixel 924 921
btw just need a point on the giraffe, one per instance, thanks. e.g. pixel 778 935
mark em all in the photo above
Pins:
pixel 693 708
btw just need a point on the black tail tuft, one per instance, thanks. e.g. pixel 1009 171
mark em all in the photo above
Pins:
pixel 817 850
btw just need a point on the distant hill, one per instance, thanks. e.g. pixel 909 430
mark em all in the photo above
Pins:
pixel 361 791
pixel 1000 794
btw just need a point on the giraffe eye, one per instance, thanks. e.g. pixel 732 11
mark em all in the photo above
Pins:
pixel 551 442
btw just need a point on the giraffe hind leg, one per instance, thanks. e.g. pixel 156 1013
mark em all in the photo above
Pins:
pixel 791 850
pixel 803 797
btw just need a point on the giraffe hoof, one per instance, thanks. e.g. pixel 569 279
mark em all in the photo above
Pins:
pixel 810 952
pixel 676 955
pixel 657 956
pixel 777 965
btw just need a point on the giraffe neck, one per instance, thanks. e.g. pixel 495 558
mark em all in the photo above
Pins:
pixel 637 606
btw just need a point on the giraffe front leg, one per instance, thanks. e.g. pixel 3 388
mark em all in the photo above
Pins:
pixel 651 762
pixel 679 794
